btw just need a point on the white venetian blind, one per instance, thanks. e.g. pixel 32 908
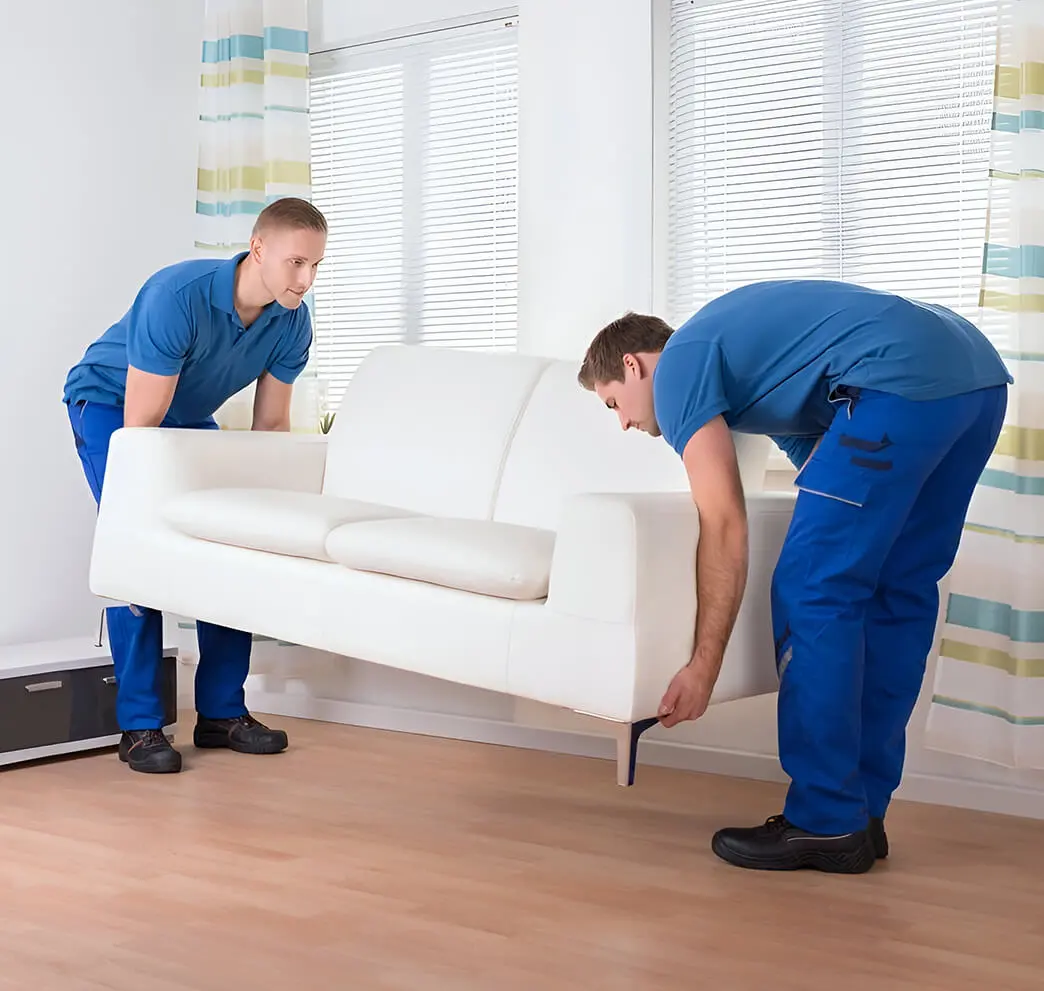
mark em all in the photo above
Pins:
pixel 415 165
pixel 829 139
pixel 753 146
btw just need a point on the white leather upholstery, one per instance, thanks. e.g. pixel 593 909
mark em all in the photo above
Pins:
pixel 620 615
pixel 479 556
pixel 426 428
pixel 295 523
pixel 552 555
pixel 439 632
pixel 568 442
pixel 591 453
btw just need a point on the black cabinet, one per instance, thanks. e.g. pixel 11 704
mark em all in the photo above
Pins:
pixel 68 705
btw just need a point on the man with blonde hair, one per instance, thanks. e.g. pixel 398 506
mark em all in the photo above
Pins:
pixel 197 333
pixel 890 409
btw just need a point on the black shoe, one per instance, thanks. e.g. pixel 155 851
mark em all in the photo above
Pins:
pixel 879 838
pixel 778 845
pixel 148 750
pixel 243 734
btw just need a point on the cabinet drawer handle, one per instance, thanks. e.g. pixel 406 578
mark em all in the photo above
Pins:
pixel 43 686
pixel 109 679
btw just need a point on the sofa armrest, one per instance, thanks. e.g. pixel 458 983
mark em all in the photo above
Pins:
pixel 613 550
pixel 146 467
pixel 631 559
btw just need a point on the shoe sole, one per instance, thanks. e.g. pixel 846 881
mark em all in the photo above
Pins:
pixel 218 741
pixel 144 768
pixel 839 862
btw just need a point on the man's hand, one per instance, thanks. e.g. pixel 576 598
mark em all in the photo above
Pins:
pixel 721 566
pixel 147 398
pixel 272 404
pixel 686 697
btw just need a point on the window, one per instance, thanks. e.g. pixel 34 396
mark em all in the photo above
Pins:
pixel 842 139
pixel 415 165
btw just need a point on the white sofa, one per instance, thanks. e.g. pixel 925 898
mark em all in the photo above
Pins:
pixel 473 516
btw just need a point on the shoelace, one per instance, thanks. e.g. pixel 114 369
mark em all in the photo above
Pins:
pixel 153 738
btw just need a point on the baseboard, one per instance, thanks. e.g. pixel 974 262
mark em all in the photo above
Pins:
pixel 926 788
pixel 983 796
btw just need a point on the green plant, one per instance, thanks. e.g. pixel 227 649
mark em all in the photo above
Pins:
pixel 326 421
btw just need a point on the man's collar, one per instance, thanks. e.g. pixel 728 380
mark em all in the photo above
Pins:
pixel 223 286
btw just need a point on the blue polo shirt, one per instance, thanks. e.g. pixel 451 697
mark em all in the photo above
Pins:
pixel 184 322
pixel 767 357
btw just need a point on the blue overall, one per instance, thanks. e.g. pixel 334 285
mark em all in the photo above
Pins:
pixel 182 322
pixel 907 401
pixel 855 602
pixel 136 635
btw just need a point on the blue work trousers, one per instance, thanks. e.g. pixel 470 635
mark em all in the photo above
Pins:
pixel 877 523
pixel 136 634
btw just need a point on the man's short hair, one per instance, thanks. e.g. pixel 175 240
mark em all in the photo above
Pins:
pixel 292 213
pixel 632 333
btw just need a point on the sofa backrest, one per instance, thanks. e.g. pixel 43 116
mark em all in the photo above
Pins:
pixel 484 435
pixel 568 442
pixel 426 428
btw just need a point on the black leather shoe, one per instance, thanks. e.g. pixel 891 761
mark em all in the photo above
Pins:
pixel 779 845
pixel 879 838
pixel 148 750
pixel 243 734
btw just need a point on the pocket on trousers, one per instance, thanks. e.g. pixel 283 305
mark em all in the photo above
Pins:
pixel 834 478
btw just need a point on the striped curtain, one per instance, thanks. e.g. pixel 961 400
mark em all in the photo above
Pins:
pixel 988 698
pixel 254 147
pixel 254 140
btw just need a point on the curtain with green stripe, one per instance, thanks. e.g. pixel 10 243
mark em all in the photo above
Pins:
pixel 988 697
pixel 254 139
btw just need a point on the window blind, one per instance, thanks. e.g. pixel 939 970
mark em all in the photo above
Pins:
pixel 415 165
pixel 826 139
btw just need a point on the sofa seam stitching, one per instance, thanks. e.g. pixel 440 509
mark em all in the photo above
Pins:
pixel 512 433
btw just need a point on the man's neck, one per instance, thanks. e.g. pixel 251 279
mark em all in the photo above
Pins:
pixel 249 294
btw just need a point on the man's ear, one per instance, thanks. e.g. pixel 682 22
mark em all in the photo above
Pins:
pixel 632 364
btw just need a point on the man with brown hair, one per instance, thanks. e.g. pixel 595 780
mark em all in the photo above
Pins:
pixel 197 333
pixel 890 409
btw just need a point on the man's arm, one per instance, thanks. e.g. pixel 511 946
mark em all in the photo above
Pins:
pixel 147 398
pixel 272 404
pixel 721 566
pixel 159 339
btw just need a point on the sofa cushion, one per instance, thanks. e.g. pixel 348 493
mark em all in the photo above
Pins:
pixel 482 556
pixel 275 520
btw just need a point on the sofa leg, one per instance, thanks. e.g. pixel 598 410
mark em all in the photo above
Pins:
pixel 627 749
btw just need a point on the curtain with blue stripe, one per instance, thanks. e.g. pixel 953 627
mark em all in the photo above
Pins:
pixel 988 695
pixel 254 137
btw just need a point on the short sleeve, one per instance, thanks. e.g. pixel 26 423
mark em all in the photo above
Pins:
pixel 797 449
pixel 291 356
pixel 688 390
pixel 159 332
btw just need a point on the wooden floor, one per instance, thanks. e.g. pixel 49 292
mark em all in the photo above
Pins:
pixel 361 859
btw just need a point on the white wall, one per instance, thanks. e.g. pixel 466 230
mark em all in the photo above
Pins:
pixel 585 169
pixel 98 172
